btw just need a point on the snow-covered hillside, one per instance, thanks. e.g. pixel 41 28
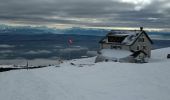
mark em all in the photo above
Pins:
pixel 84 80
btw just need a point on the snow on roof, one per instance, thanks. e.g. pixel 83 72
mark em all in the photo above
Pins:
pixel 130 39
pixel 131 35
pixel 113 53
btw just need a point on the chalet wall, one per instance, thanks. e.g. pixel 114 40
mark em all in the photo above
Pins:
pixel 109 46
pixel 105 46
pixel 146 46
pixel 125 47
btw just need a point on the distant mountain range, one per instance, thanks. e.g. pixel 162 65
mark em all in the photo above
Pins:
pixel 5 29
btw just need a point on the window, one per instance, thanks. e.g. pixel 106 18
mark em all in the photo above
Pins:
pixel 144 48
pixel 138 48
pixel 117 39
pixel 141 40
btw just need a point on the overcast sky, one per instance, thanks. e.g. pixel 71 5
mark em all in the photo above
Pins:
pixel 90 13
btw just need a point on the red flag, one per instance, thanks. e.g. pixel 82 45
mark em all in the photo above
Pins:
pixel 70 41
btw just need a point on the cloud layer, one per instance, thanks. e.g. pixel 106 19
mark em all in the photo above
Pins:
pixel 91 13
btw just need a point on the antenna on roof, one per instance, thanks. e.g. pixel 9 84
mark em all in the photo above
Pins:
pixel 141 28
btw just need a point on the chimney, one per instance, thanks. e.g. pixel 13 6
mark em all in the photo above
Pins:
pixel 141 28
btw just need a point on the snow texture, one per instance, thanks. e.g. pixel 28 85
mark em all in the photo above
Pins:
pixel 130 35
pixel 115 53
pixel 100 81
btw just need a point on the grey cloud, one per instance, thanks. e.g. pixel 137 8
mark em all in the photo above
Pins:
pixel 106 12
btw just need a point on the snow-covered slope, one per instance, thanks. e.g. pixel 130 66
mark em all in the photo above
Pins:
pixel 84 80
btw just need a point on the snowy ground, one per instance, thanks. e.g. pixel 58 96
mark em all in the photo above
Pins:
pixel 23 62
pixel 88 81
